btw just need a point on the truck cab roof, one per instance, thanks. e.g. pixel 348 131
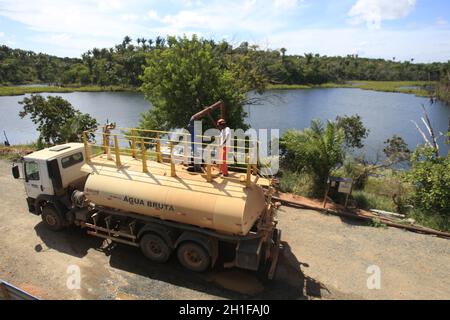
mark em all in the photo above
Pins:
pixel 55 151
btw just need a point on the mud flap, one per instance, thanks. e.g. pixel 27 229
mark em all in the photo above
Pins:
pixel 275 252
pixel 248 254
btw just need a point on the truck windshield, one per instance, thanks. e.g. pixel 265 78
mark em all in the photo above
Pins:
pixel 31 171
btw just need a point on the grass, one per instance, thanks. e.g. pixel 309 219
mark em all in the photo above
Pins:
pixel 377 194
pixel 15 91
pixel 296 183
pixel 431 220
pixel 367 200
pixel 306 86
pixel 17 151
pixel 397 86
pixel 383 86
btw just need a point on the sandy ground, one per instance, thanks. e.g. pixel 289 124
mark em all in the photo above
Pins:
pixel 324 257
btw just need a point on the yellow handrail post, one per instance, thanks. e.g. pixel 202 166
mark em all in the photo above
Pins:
pixel 86 147
pixel 117 151
pixel 172 163
pixel 144 156
pixel 208 173
pixel 105 142
pixel 247 180
pixel 133 143
pixel 255 164
pixel 158 148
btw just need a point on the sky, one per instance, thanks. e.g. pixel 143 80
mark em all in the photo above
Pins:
pixel 404 29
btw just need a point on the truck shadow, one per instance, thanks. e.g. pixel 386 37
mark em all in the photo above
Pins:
pixel 289 282
pixel 72 241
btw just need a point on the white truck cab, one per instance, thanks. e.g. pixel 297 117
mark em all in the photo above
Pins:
pixel 47 175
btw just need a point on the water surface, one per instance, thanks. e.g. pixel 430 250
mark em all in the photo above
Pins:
pixel 383 113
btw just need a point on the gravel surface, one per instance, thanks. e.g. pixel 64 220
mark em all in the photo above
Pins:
pixel 324 257
pixel 339 251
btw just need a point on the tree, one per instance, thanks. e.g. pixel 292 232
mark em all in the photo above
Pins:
pixel 354 130
pixel 430 178
pixel 317 151
pixel 77 73
pixel 126 41
pixel 189 74
pixel 396 150
pixel 58 121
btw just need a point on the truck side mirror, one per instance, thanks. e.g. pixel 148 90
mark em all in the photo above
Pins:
pixel 15 172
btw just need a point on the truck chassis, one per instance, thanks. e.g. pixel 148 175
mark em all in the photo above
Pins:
pixel 130 228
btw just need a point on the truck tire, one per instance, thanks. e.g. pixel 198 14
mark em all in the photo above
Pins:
pixel 51 218
pixel 155 248
pixel 193 256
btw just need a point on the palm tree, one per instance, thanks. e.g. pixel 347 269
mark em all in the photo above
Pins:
pixel 317 150
pixel 126 41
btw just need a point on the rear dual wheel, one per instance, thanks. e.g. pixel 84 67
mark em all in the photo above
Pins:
pixel 155 248
pixel 193 257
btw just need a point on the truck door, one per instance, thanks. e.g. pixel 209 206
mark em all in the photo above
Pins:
pixel 32 178
pixel 37 180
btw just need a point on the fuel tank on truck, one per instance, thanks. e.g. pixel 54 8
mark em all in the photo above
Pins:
pixel 224 206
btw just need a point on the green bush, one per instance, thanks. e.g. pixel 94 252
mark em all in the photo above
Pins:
pixel 316 151
pixel 431 220
pixel 295 182
pixel 355 170
pixel 430 178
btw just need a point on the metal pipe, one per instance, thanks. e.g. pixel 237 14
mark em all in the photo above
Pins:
pixel 117 151
pixel 144 156
pixel 86 147
pixel 133 143
pixel 158 148
pixel 172 163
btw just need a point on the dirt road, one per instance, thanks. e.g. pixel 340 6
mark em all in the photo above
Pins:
pixel 323 257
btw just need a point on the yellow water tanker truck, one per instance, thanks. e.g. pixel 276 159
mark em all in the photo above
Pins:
pixel 140 196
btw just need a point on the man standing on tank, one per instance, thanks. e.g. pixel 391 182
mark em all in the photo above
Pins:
pixel 225 136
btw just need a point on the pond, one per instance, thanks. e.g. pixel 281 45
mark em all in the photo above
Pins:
pixel 384 114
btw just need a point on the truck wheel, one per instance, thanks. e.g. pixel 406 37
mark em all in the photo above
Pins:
pixel 155 248
pixel 194 257
pixel 51 218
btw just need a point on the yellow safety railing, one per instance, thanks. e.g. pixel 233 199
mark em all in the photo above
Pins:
pixel 158 140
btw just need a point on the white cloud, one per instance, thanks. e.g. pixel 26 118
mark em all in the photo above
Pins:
pixel 86 20
pixel 424 45
pixel 373 12
pixel 256 16
pixel 285 4
pixel 152 14
pixel 440 21
pixel 88 17
pixel 67 43
pixel 69 28
pixel 130 17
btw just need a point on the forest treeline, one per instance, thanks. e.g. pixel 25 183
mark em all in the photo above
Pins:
pixel 123 65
